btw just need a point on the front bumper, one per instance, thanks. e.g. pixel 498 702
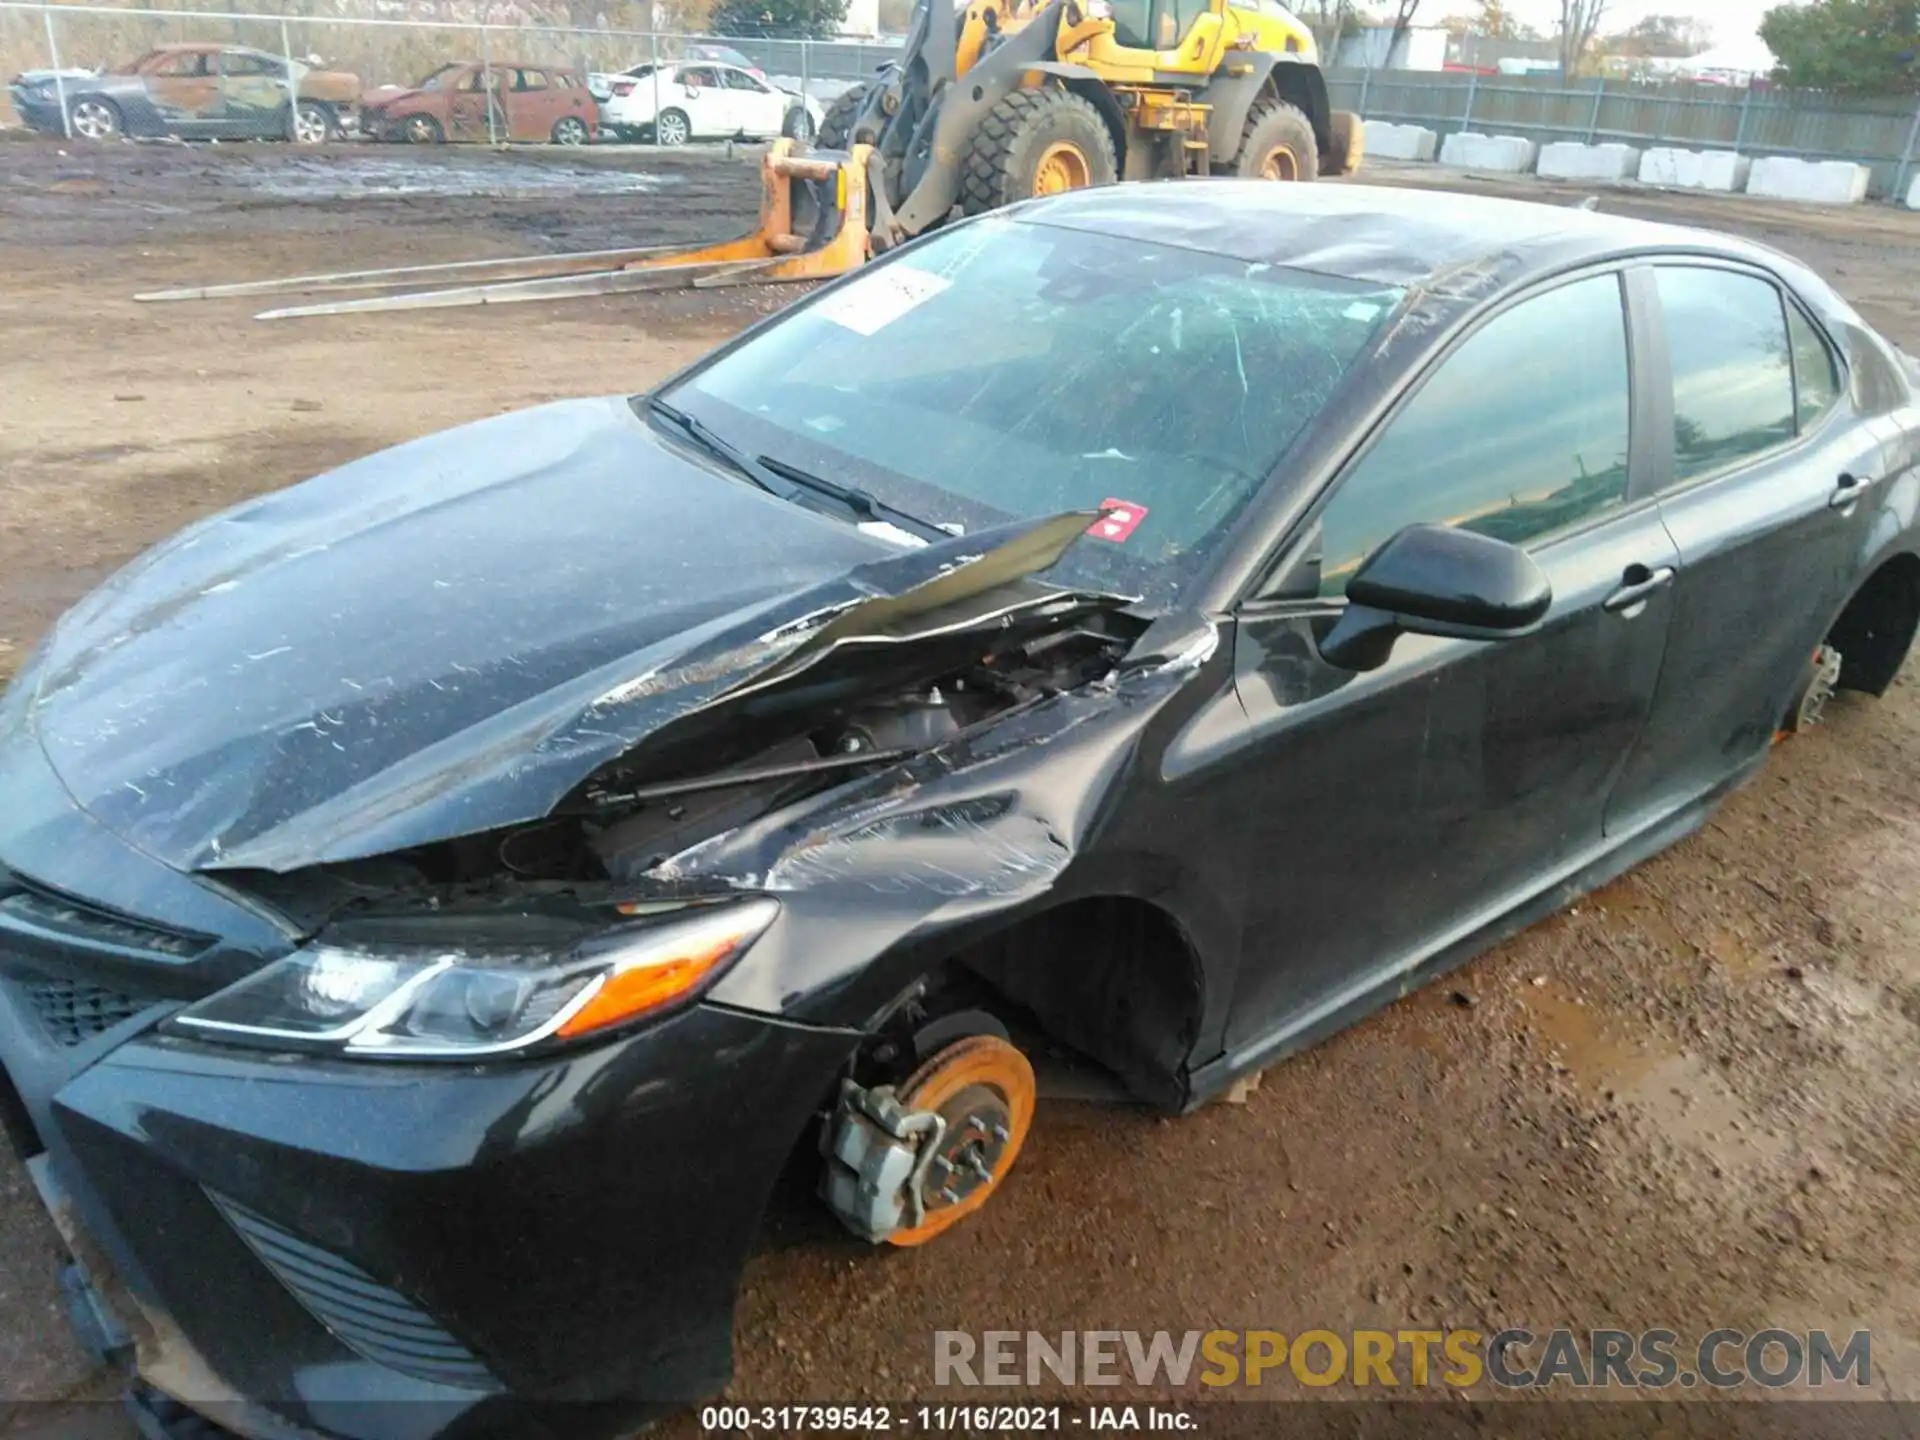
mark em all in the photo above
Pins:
pixel 303 1246
pixel 35 113
pixel 329 1239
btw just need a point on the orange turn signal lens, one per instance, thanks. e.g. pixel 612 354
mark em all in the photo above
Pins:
pixel 627 993
pixel 661 973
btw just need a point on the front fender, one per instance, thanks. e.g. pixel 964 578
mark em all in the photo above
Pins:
pixel 1231 96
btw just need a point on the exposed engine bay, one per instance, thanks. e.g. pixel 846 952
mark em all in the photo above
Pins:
pixel 626 821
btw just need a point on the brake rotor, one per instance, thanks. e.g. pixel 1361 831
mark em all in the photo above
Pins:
pixel 1817 684
pixel 983 1088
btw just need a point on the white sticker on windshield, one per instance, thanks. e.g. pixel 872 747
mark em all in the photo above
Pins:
pixel 877 300
pixel 883 530
pixel 1363 310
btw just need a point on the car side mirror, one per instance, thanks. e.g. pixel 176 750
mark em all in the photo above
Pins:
pixel 1436 580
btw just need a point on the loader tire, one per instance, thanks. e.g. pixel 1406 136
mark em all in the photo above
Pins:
pixel 1276 144
pixel 1349 148
pixel 837 124
pixel 1035 142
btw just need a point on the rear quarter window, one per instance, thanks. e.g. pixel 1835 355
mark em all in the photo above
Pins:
pixel 1816 374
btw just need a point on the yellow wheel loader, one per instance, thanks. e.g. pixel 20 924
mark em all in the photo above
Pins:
pixel 985 106
pixel 1019 99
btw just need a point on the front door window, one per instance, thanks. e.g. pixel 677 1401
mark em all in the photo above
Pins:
pixel 1522 432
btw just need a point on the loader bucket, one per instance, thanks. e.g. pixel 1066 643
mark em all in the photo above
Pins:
pixel 813 226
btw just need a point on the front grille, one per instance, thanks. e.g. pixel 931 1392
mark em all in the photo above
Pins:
pixel 367 1317
pixel 74 1012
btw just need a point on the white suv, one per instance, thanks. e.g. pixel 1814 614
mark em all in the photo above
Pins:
pixel 686 100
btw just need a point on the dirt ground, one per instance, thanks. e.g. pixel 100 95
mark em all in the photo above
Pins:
pixel 1691 1101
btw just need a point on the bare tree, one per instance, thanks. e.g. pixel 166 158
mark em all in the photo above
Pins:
pixel 1329 19
pixel 1579 23
pixel 1404 11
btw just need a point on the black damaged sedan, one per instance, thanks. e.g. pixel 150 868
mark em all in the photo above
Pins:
pixel 1136 634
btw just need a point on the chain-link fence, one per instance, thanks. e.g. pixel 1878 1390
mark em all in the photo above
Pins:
pixel 56 52
pixel 401 42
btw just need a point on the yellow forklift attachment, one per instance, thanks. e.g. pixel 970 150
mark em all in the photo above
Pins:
pixel 813 226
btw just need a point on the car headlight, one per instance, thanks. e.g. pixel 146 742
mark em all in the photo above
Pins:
pixel 418 1002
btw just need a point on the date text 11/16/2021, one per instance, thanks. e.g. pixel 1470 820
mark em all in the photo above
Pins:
pixel 937 1419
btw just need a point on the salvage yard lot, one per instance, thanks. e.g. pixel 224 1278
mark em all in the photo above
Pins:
pixel 1692 1101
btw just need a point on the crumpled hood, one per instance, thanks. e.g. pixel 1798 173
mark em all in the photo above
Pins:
pixel 427 642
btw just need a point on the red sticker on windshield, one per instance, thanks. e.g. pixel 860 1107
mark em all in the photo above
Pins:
pixel 1123 517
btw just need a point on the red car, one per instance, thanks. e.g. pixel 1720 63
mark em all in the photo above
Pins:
pixel 528 103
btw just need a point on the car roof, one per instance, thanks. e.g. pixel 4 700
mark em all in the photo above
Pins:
pixel 1389 235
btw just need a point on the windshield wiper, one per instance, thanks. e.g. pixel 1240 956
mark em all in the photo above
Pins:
pixel 698 432
pixel 777 477
pixel 856 502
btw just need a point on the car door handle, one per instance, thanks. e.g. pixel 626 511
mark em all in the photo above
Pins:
pixel 1849 491
pixel 1640 583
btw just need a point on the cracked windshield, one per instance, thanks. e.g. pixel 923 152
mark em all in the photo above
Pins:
pixel 1006 370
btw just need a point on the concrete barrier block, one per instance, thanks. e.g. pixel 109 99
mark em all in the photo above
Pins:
pixel 1400 142
pixel 1509 154
pixel 1913 194
pixel 1695 169
pixel 1611 163
pixel 1813 182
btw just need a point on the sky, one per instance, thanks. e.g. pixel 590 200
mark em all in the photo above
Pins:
pixel 1732 20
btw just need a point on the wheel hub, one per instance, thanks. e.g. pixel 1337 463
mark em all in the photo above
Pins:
pixel 1063 166
pixel 1280 164
pixel 972 1152
pixel 91 120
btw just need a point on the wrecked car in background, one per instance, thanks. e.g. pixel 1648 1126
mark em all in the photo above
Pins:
pixel 194 92
pixel 1128 631
pixel 467 100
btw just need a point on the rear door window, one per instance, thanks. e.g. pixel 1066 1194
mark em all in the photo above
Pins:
pixel 1733 396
